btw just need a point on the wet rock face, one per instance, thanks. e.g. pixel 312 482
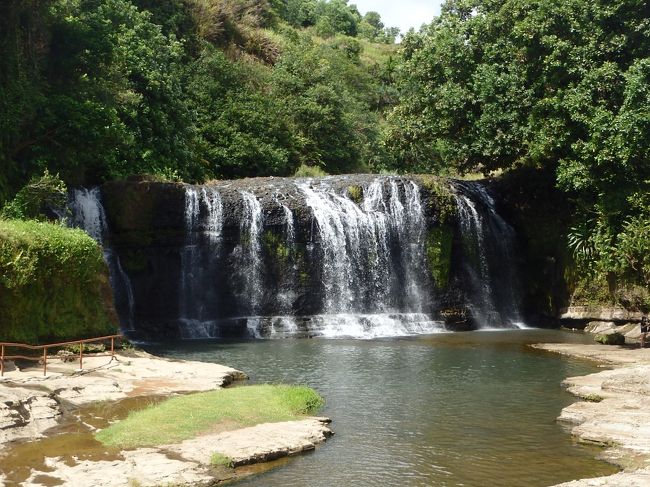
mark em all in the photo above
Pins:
pixel 201 260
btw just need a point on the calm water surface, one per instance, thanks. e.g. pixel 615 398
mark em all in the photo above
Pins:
pixel 465 409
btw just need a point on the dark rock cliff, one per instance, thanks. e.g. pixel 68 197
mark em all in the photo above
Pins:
pixel 212 256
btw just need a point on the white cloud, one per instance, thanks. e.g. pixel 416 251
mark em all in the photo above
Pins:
pixel 403 13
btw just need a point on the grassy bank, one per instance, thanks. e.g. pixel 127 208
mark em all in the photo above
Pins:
pixel 53 284
pixel 184 417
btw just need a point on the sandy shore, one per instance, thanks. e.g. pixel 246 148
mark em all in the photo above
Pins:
pixel 615 412
pixel 30 404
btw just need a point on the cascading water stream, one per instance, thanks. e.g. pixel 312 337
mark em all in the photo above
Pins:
pixel 87 212
pixel 374 281
pixel 249 253
pixel 201 248
pixel 488 243
pixel 289 222
pixel 286 294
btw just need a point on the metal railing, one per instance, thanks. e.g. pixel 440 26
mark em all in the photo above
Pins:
pixel 6 345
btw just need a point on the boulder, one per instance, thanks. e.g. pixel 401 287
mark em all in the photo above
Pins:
pixel 601 327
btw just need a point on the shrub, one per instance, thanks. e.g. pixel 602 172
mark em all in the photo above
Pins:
pixel 40 199
pixel 611 339
pixel 53 284
pixel 305 171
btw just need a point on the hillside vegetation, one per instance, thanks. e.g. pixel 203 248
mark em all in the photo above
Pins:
pixel 189 89
pixel 547 90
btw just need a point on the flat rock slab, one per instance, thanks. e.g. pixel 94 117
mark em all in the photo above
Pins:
pixel 606 354
pixel 260 443
pixel 617 412
pixel 188 463
pixel 142 467
pixel 26 413
pixel 30 403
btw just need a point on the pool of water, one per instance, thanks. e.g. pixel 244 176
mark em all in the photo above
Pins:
pixel 452 409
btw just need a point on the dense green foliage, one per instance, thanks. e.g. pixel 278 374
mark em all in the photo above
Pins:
pixel 184 417
pixel 559 85
pixel 187 89
pixel 53 284
pixel 40 199
pixel 192 90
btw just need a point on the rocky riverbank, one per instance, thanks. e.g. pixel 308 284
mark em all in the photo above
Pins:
pixel 614 412
pixel 31 404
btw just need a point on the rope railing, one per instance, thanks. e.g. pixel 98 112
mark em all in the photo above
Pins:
pixel 7 345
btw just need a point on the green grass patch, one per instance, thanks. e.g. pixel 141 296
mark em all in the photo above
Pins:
pixel 219 460
pixel 183 417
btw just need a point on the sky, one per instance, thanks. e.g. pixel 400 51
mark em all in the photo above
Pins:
pixel 402 13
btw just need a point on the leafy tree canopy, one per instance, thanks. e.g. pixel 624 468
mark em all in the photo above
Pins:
pixel 562 85
pixel 191 89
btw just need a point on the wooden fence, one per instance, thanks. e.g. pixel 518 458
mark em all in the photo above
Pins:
pixel 44 348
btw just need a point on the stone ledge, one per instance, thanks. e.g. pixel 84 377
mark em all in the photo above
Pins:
pixel 618 415
pixel 599 313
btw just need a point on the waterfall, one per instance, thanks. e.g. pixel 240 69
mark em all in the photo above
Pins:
pixel 249 255
pixel 340 256
pixel 361 273
pixel 373 269
pixel 488 244
pixel 87 213
pixel 202 242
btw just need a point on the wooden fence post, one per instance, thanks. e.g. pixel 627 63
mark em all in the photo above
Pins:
pixel 44 361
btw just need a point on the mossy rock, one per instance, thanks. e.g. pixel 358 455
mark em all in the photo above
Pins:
pixel 593 398
pixel 276 246
pixel 441 196
pixel 438 253
pixel 611 339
